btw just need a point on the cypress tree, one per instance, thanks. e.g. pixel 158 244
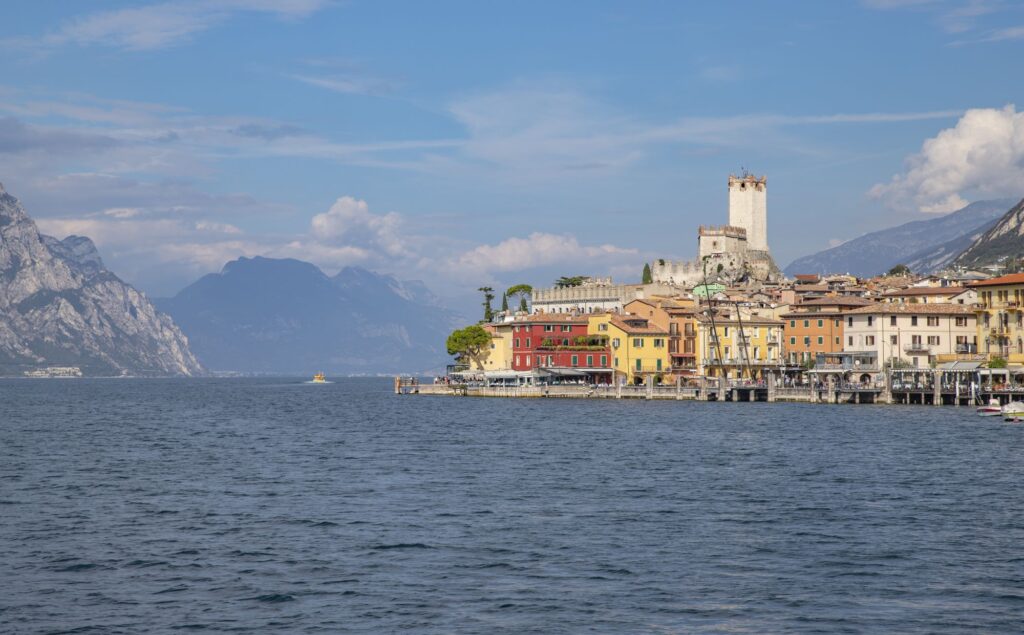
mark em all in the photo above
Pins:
pixel 648 278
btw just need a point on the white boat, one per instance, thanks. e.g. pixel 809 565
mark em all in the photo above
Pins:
pixel 1013 411
pixel 993 409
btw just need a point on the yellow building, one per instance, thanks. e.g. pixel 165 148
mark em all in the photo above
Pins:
pixel 740 346
pixel 1000 323
pixel 499 357
pixel 639 348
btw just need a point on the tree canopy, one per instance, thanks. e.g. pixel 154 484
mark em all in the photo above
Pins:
pixel 647 277
pixel 900 270
pixel 521 290
pixel 488 296
pixel 470 344
pixel 571 281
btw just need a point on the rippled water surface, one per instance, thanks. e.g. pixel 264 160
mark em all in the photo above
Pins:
pixel 133 506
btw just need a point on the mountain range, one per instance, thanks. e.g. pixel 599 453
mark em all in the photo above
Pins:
pixel 60 306
pixel 267 315
pixel 924 245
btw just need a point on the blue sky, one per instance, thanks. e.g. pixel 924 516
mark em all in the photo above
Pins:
pixel 467 143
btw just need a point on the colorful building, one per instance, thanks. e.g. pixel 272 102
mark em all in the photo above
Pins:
pixel 560 346
pixel 1000 317
pixel 680 320
pixel 911 335
pixel 738 345
pixel 639 348
pixel 816 326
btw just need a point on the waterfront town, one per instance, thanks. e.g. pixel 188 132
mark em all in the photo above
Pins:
pixel 730 325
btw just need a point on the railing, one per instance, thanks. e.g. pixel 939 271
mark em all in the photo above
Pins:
pixel 868 368
pixel 917 348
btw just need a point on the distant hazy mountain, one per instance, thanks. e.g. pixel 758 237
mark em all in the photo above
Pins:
pixel 267 315
pixel 930 243
pixel 59 306
pixel 1004 239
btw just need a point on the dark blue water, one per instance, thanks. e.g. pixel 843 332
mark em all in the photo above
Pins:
pixel 261 505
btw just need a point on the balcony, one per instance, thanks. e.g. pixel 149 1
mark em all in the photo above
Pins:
pixel 917 348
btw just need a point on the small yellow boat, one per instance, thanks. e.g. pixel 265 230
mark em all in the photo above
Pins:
pixel 319 378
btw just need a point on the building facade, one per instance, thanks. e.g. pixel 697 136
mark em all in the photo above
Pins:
pixel 911 335
pixel 639 348
pixel 559 344
pixel 739 346
pixel 1000 317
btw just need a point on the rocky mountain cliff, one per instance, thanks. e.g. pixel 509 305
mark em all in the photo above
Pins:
pixel 1003 240
pixel 267 315
pixel 59 306
pixel 930 244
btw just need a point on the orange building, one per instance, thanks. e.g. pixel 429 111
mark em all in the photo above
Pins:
pixel 816 326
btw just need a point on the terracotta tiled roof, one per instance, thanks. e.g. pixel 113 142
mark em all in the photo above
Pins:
pixel 649 329
pixel 889 308
pixel 552 318
pixel 841 300
pixel 919 291
pixel 1013 278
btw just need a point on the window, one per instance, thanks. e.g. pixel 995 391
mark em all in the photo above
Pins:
pixel 604 361
pixel 639 367
pixel 540 360
pixel 870 340
pixel 792 324
pixel 849 321
pixel 933 340
pixel 838 323
pixel 893 340
pixel 575 360
pixel 565 341
pixel 933 320
pixel 913 320
pixel 517 330
pixel 493 346
pixel 638 342
pixel 527 342
pixel 527 361
pixel 615 343
pixel 892 320
pixel 567 328
pixel 659 364
pixel 851 340
pixel 837 340
pixel 821 323
pixel 549 328
pixel 659 343
pixel 603 326
pixel 616 361
pixel 551 360
pixel 821 340
pixel 962 321
pixel 517 360
pixel 792 341
pixel 517 342
pixel 590 360
pixel 807 341
pixel 807 323
pixel 871 320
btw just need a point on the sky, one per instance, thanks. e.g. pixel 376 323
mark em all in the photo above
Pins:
pixel 484 143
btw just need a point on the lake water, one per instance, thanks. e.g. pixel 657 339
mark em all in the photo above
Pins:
pixel 132 506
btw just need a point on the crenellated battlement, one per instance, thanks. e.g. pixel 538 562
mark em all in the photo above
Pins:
pixel 722 230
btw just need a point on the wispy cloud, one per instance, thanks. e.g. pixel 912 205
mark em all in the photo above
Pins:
pixel 162 25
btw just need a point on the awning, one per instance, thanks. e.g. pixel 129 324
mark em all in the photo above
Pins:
pixel 506 374
pixel 563 372
pixel 959 366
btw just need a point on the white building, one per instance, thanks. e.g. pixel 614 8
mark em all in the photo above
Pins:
pixel 914 334
pixel 748 208
pixel 596 295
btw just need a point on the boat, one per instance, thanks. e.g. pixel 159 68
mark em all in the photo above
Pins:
pixel 1014 412
pixel 993 409
pixel 319 379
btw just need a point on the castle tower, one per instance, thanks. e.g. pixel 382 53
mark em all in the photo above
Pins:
pixel 748 208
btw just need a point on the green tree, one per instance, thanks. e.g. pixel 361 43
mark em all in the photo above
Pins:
pixel 470 344
pixel 900 270
pixel 504 303
pixel 488 296
pixel 571 281
pixel 997 362
pixel 522 291
pixel 647 277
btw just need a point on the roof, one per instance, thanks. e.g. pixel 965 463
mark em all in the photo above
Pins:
pixel 810 287
pixel 841 300
pixel 950 291
pixel 637 330
pixel 807 277
pixel 1013 278
pixel 551 318
pixel 892 308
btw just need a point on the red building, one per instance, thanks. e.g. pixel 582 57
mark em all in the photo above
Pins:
pixel 557 345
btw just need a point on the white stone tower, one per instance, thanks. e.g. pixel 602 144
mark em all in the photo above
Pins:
pixel 748 208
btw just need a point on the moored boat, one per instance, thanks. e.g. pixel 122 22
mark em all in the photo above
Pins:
pixel 993 409
pixel 319 378
pixel 1013 411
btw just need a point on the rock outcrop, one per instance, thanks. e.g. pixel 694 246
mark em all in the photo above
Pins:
pixel 59 306
pixel 1002 243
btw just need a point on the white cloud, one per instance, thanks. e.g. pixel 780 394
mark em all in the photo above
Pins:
pixel 536 250
pixel 350 222
pixel 166 24
pixel 982 154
